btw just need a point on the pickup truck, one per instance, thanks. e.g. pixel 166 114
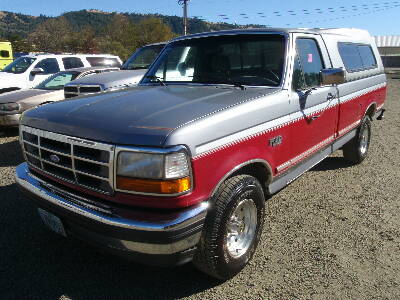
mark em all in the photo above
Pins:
pixel 131 73
pixel 179 168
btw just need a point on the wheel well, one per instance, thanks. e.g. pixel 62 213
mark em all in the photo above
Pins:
pixel 257 170
pixel 371 111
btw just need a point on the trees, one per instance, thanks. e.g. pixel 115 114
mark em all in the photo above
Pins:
pixel 83 41
pixel 53 35
pixel 120 36
pixel 19 44
pixel 152 30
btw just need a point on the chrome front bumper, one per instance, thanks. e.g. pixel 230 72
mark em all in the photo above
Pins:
pixel 167 233
pixel 9 120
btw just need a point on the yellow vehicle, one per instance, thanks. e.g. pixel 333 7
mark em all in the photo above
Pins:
pixel 6 55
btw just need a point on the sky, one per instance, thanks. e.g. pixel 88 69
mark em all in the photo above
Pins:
pixel 379 17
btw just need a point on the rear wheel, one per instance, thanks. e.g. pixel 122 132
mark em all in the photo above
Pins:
pixel 356 150
pixel 232 228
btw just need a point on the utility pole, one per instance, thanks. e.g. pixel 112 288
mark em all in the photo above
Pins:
pixel 184 3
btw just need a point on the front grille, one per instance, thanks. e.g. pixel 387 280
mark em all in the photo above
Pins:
pixel 85 163
pixel 73 91
pixel 89 89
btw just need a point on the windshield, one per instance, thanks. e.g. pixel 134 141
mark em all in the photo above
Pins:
pixel 237 59
pixel 57 81
pixel 20 65
pixel 142 58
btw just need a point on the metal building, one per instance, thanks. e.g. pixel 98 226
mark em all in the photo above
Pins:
pixel 389 48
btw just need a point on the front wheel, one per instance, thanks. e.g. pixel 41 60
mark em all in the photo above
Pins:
pixel 356 150
pixel 232 228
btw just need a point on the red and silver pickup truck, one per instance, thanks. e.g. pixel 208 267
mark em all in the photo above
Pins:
pixel 179 167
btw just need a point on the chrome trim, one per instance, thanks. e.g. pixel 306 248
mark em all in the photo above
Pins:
pixel 162 249
pixel 78 87
pixel 238 167
pixel 179 148
pixel 32 183
pixel 183 219
pixel 90 160
pixel 72 141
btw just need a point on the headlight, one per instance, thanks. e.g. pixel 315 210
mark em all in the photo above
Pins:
pixel 153 173
pixel 9 107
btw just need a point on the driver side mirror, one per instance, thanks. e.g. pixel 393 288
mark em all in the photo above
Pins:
pixel 182 68
pixel 332 76
pixel 36 71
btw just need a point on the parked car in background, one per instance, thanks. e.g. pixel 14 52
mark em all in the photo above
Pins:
pixel 28 71
pixel 13 104
pixel 6 54
pixel 179 167
pixel 131 73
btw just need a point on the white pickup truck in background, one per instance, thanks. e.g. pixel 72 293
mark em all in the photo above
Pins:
pixel 131 73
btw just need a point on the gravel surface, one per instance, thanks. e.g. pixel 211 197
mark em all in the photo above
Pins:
pixel 332 234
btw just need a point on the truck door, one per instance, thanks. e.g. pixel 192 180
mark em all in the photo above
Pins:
pixel 314 107
pixel 49 66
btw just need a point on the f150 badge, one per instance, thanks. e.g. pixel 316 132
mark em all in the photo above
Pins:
pixel 275 141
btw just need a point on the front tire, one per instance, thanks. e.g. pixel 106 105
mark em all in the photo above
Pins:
pixel 356 150
pixel 232 228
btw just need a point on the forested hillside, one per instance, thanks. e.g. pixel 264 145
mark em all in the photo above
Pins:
pixel 23 25
pixel 94 31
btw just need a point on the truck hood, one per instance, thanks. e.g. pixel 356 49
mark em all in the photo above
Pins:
pixel 142 116
pixel 17 96
pixel 32 97
pixel 111 79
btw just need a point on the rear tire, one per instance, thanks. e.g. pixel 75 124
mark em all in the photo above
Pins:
pixel 356 150
pixel 232 228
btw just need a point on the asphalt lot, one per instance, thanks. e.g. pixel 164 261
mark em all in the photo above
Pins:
pixel 332 234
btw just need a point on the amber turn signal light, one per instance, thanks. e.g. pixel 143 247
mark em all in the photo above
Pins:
pixel 175 186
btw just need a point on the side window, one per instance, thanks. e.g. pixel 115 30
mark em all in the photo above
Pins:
pixel 72 62
pixel 5 53
pixel 308 64
pixel 367 56
pixel 96 61
pixel 49 65
pixel 357 57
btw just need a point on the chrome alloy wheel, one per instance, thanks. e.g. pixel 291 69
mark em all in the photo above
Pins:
pixel 364 140
pixel 241 228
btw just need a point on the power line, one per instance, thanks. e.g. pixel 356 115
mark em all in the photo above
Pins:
pixel 343 12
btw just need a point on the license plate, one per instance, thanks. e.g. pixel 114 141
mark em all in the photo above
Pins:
pixel 52 221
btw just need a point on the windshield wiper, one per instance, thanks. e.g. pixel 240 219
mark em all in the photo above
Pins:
pixel 158 79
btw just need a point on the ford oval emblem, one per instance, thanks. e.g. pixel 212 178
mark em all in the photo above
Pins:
pixel 54 158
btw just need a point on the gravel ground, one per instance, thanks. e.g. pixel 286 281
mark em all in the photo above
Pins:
pixel 332 234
